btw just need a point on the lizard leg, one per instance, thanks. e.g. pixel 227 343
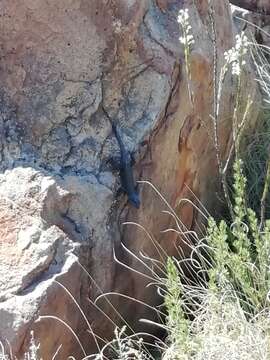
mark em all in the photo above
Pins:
pixel 115 162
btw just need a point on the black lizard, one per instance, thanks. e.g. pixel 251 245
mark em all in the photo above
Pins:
pixel 126 172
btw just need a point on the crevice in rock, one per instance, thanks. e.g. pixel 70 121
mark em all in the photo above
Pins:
pixel 172 102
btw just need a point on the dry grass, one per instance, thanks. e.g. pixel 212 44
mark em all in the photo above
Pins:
pixel 221 331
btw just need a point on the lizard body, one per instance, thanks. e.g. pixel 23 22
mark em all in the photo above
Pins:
pixel 126 172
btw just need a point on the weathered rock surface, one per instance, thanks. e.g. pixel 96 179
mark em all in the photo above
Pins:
pixel 257 25
pixel 60 64
pixel 259 6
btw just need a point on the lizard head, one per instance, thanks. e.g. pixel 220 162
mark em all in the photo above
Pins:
pixel 134 199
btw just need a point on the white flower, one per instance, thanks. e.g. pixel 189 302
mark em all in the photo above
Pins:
pixel 117 26
pixel 187 38
pixel 183 16
pixel 230 56
pixel 235 56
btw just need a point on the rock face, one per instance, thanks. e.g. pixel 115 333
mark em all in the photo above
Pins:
pixel 259 6
pixel 253 23
pixel 61 64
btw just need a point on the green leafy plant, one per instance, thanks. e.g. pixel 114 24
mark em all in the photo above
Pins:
pixel 176 320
